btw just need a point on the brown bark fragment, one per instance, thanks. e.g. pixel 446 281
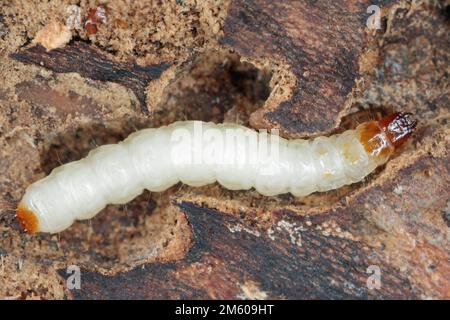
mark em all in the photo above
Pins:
pixel 91 63
pixel 39 92
pixel 222 259
pixel 322 43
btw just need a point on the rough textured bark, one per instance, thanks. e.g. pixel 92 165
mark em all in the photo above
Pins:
pixel 233 259
pixel 91 63
pixel 320 42
pixel 327 71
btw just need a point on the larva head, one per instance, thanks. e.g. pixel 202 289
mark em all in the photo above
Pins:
pixel 398 127
pixel 27 219
pixel 380 138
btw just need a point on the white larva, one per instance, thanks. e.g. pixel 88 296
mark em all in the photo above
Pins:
pixel 156 159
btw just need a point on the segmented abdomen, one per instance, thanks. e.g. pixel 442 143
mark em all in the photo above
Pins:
pixel 156 159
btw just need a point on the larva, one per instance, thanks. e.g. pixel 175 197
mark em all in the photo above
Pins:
pixel 197 154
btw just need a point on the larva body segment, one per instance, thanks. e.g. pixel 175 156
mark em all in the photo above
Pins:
pixel 198 153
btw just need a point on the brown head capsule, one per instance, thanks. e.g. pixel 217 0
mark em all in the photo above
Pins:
pixel 398 127
pixel 380 138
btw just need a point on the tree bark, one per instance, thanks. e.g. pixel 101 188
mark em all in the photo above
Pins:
pixel 328 71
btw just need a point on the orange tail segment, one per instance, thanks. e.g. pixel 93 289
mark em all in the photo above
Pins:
pixel 27 219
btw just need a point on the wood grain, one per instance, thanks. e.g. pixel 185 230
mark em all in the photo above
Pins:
pixel 91 63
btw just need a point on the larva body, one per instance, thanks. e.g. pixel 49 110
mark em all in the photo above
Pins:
pixel 197 154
